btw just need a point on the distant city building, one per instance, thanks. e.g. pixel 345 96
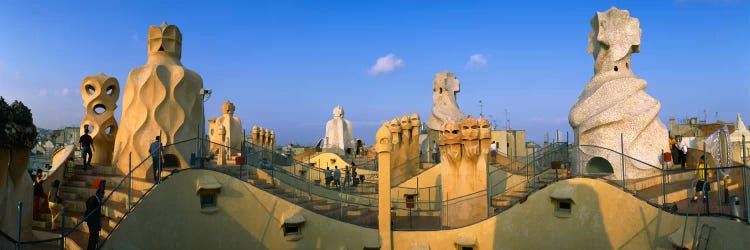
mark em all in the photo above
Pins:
pixel 67 135
pixel 692 127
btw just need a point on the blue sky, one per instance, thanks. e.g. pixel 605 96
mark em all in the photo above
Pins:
pixel 286 64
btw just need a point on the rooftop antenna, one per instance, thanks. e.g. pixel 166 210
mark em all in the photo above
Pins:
pixel 507 120
pixel 494 122
pixel 481 108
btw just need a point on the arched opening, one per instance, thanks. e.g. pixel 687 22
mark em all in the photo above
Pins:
pixel 110 89
pixel 90 89
pixel 599 166
pixel 109 130
pixel 99 109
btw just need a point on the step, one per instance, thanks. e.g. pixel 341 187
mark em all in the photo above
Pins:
pixel 74 206
pixel 325 206
pixel 96 170
pixel 107 227
pixel 354 210
pixel 517 194
pixel 41 223
pixel 114 210
pixel 501 203
pixel 74 183
pixel 113 180
pixel 118 196
pixel 69 195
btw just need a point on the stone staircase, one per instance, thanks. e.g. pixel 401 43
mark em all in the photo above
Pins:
pixel 520 192
pixel 77 189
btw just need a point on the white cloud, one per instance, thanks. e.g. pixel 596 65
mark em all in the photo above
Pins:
pixel 476 61
pixel 42 92
pixel 386 64
pixel 65 92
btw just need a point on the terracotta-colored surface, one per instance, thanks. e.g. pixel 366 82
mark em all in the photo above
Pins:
pixel 100 93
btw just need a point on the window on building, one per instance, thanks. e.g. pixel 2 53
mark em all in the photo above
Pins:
pixel 208 200
pixel 563 208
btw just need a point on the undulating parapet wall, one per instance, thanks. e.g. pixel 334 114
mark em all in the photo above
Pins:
pixel 100 93
pixel 598 216
pixel 241 217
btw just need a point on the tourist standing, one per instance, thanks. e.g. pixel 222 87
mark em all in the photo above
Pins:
pixel 156 151
pixel 355 179
pixel 347 178
pixel 700 174
pixel 38 193
pixel 493 151
pixel 94 216
pixel 354 167
pixel 86 144
pixel 329 176
pixel 682 151
pixel 55 202
pixel 337 177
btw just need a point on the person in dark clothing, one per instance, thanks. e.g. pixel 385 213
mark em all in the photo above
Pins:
pixel 55 203
pixel 39 199
pixel 86 144
pixel 94 219
pixel 155 150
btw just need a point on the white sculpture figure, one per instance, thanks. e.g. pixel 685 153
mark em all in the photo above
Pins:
pixel 339 133
pixel 444 89
pixel 160 97
pixel 100 93
pixel 233 128
pixel 615 102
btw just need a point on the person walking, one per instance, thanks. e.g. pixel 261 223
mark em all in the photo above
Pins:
pixel 86 144
pixel 700 174
pixel 156 152
pixel 55 202
pixel 94 216
pixel 38 194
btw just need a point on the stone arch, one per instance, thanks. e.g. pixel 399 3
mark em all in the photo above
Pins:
pixel 599 166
